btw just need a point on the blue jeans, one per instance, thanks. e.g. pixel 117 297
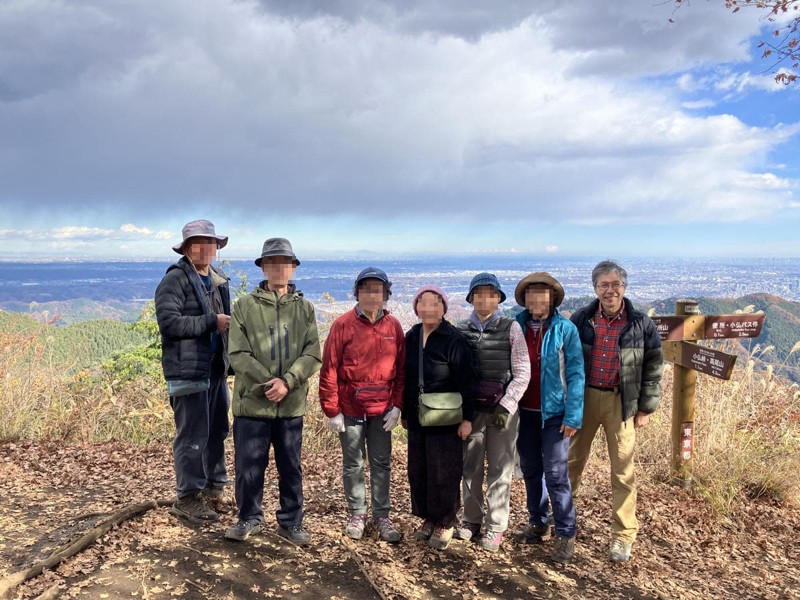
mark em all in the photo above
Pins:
pixel 251 441
pixel 201 426
pixel 543 455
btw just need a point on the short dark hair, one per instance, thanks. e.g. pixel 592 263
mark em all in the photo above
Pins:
pixel 608 266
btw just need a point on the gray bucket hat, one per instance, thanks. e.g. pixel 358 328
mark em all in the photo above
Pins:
pixel 200 228
pixel 277 247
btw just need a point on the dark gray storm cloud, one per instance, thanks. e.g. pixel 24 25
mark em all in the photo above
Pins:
pixel 465 18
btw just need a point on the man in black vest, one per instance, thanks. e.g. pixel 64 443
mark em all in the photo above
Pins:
pixel 193 310
pixel 503 370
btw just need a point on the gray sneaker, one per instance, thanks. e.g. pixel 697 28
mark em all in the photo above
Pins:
pixel 242 530
pixel 295 534
pixel 532 534
pixel 619 551
pixel 387 531
pixel 563 549
pixel 355 526
pixel 194 509
pixel 467 531
pixel 492 540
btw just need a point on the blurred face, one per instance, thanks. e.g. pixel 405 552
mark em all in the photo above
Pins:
pixel 610 290
pixel 278 270
pixel 201 250
pixel 538 301
pixel 485 300
pixel 371 295
pixel 430 309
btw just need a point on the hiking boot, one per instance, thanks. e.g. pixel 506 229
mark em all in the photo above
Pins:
pixel 355 526
pixel 532 534
pixel 619 551
pixel 467 531
pixel 295 534
pixel 194 509
pixel 215 498
pixel 425 531
pixel 386 530
pixel 440 538
pixel 242 530
pixel 492 540
pixel 563 549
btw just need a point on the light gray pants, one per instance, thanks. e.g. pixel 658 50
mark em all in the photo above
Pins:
pixel 360 440
pixel 499 448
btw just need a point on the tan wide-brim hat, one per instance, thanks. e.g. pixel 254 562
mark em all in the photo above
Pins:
pixel 540 277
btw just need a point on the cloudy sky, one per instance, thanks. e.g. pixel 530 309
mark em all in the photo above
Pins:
pixel 400 126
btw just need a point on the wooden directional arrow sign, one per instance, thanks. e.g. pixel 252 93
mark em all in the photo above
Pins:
pixel 705 360
pixel 709 327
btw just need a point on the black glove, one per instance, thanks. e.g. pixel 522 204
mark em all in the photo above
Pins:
pixel 499 417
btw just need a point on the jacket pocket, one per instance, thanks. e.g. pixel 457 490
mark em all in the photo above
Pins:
pixel 372 400
pixel 272 342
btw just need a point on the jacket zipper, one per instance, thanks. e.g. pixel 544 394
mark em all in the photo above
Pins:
pixel 280 357
pixel 286 340
pixel 272 341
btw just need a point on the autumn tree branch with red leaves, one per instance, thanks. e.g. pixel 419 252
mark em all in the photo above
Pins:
pixel 783 48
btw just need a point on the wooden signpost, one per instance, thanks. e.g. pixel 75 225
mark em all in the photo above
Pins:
pixel 679 334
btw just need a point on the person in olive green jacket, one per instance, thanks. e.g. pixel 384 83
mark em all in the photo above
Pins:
pixel 274 349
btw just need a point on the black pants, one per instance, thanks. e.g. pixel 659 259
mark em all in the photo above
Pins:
pixel 435 465
pixel 251 440
pixel 201 426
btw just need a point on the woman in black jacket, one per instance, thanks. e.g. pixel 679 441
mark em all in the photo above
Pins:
pixel 435 454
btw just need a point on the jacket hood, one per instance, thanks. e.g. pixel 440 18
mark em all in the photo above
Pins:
pixel 217 276
pixel 265 295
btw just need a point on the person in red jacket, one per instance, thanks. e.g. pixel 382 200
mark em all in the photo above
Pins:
pixel 361 388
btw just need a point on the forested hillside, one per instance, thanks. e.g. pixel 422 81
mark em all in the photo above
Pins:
pixel 77 346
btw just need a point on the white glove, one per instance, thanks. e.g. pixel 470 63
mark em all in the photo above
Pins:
pixel 390 419
pixel 336 423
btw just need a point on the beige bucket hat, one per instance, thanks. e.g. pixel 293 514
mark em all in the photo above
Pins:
pixel 539 277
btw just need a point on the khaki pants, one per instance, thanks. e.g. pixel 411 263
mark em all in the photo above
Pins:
pixel 605 408
pixel 498 448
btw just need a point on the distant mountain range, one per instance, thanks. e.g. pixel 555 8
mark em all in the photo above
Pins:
pixel 781 327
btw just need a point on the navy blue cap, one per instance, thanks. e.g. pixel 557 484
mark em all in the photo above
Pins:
pixel 373 273
pixel 485 279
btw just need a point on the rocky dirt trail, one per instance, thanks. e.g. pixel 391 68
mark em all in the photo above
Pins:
pixel 53 493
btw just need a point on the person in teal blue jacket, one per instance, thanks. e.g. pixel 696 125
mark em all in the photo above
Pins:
pixel 551 412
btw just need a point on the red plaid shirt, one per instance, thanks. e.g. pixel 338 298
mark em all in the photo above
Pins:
pixel 604 371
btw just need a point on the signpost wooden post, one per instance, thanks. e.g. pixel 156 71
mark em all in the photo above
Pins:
pixel 679 334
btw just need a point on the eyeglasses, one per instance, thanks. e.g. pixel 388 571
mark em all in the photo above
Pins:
pixel 615 285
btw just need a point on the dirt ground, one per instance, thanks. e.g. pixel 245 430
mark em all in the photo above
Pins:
pixel 53 493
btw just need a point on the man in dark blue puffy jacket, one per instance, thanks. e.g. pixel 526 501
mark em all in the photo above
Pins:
pixel 193 312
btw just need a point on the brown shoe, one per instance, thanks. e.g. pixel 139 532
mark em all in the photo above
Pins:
pixel 425 531
pixel 215 498
pixel 194 509
pixel 532 534
pixel 563 549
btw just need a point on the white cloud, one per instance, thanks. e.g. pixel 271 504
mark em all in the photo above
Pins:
pixel 551 249
pixel 153 106
pixel 72 233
